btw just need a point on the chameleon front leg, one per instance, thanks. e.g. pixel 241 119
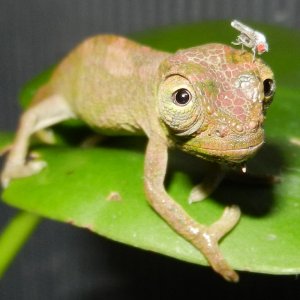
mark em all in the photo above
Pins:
pixel 45 113
pixel 204 238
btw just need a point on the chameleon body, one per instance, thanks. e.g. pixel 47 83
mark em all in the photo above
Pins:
pixel 209 101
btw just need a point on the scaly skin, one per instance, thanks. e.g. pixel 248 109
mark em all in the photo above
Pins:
pixel 209 101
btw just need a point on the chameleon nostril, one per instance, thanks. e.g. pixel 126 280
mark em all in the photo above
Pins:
pixel 218 133
pixel 221 131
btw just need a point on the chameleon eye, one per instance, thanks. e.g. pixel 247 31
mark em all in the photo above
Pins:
pixel 182 97
pixel 269 88
pixel 178 105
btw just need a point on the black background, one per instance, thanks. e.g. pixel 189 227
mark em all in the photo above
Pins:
pixel 62 262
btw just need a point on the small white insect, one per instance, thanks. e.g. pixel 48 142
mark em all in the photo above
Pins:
pixel 250 38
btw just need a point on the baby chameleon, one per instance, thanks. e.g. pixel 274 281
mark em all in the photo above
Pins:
pixel 209 101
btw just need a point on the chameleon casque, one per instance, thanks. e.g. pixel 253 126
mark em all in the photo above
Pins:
pixel 208 100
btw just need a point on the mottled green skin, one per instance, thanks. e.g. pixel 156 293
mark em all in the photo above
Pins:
pixel 120 87
pixel 110 82
pixel 228 114
pixel 113 85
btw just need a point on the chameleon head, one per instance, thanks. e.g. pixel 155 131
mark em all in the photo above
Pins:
pixel 212 100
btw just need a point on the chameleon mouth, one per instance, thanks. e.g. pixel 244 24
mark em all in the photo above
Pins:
pixel 232 155
pixel 225 150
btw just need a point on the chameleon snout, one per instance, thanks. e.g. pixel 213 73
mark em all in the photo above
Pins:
pixel 250 127
pixel 235 144
pixel 227 144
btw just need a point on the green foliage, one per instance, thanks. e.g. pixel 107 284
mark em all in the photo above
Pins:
pixel 14 236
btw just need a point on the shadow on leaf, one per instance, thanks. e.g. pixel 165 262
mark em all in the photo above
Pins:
pixel 252 192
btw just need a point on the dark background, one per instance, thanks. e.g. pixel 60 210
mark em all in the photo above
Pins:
pixel 62 262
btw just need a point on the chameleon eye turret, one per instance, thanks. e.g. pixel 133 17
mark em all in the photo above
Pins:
pixel 178 106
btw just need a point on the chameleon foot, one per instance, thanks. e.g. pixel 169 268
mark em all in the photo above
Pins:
pixel 12 171
pixel 228 220
pixel 209 238
pixel 92 141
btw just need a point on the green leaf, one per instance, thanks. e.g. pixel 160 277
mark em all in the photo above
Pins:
pixel 30 88
pixel 14 236
pixel 5 140
pixel 80 186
